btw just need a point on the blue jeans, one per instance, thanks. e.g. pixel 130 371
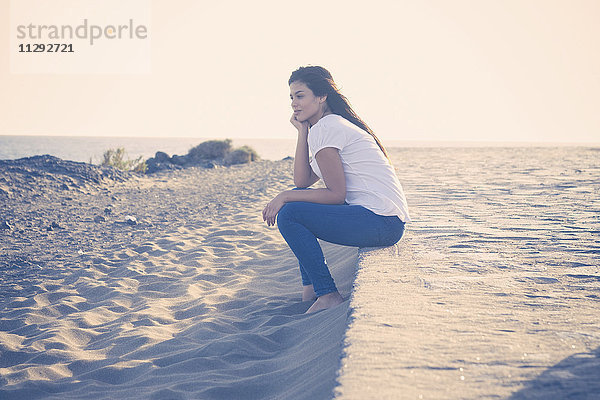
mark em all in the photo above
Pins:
pixel 301 223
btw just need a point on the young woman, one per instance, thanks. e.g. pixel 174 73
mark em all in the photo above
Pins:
pixel 362 204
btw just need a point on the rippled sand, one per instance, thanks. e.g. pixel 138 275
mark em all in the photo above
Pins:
pixel 200 299
pixel 494 292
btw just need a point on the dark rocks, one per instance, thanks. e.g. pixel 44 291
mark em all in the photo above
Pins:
pixel 161 160
pixel 207 154
pixel 130 220
pixel 179 160
pixel 161 157
pixel 152 165
pixel 4 225
pixel 108 210
pixel 99 219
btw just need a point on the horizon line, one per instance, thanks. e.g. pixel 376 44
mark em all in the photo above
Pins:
pixel 397 141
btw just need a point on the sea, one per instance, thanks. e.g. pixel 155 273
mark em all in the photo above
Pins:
pixel 91 148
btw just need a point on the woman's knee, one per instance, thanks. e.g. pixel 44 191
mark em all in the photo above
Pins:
pixel 284 216
pixel 396 233
pixel 288 212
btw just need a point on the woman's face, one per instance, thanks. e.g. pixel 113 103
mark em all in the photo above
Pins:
pixel 306 106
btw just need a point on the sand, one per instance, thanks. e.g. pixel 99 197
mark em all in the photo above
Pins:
pixel 493 293
pixel 200 299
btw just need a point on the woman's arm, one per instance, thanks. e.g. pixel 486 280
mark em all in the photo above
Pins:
pixel 304 176
pixel 331 167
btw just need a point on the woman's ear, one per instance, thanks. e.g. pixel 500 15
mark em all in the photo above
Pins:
pixel 322 99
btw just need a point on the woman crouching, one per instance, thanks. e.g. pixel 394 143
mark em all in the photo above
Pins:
pixel 362 204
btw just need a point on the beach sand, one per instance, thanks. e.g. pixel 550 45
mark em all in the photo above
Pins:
pixel 493 293
pixel 199 299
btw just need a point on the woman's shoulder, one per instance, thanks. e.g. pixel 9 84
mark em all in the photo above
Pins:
pixel 333 120
pixel 334 123
pixel 329 131
pixel 330 124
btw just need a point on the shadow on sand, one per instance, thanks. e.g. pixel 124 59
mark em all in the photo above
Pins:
pixel 575 377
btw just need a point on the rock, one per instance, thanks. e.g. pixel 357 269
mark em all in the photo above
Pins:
pixel 287 158
pixel 153 166
pixel 130 220
pixel 108 210
pixel 161 157
pixel 5 225
pixel 179 160
pixel 99 219
pixel 64 186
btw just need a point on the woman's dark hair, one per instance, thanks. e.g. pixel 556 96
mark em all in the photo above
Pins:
pixel 320 81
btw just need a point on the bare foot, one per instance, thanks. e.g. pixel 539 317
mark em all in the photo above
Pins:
pixel 326 301
pixel 308 293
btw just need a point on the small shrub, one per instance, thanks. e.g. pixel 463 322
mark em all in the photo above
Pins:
pixel 241 155
pixel 116 158
pixel 210 150
pixel 253 154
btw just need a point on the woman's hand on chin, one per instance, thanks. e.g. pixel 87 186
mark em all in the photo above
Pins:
pixel 270 211
pixel 300 125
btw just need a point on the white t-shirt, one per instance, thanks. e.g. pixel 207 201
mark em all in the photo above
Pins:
pixel 370 179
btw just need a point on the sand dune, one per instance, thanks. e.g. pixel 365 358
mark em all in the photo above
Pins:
pixel 199 300
pixel 493 292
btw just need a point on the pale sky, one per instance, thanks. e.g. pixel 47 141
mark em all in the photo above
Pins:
pixel 443 70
